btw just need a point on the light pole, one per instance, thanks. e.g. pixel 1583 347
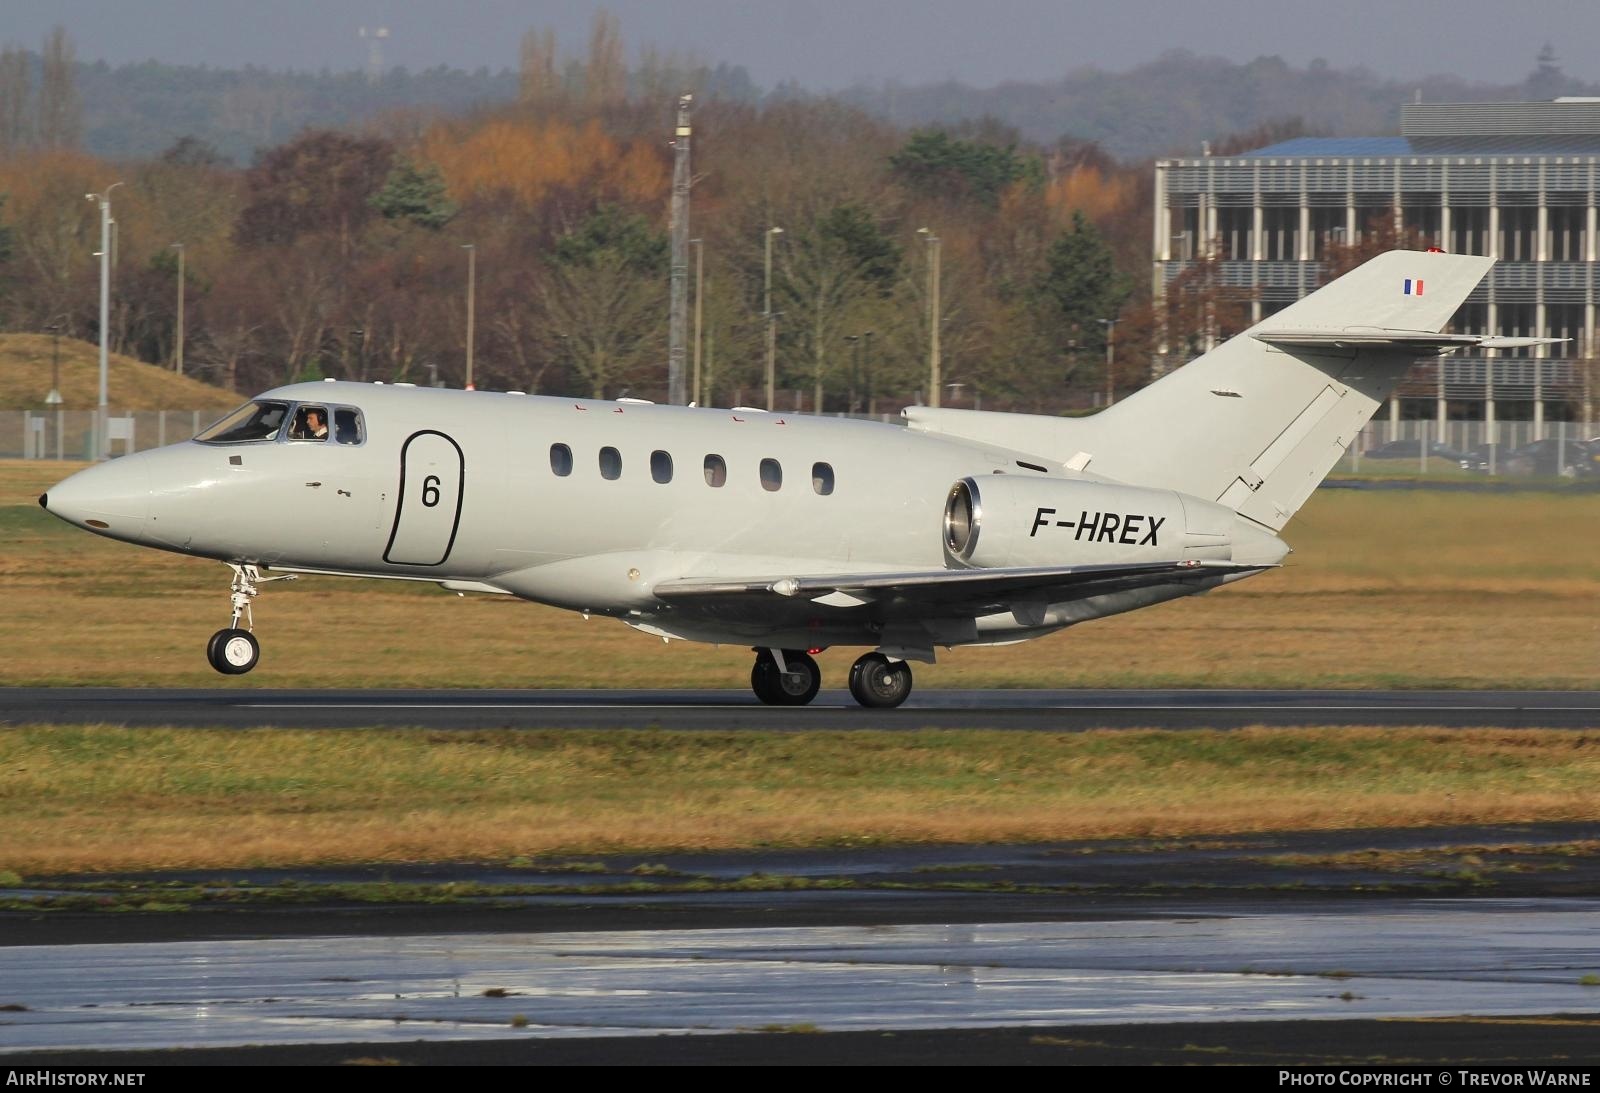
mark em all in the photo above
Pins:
pixel 104 198
pixel 1111 351
pixel 54 397
pixel 866 369
pixel 772 323
pixel 472 305
pixel 699 293
pixel 933 314
pixel 177 356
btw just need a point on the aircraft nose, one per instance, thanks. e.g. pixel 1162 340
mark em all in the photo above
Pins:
pixel 112 498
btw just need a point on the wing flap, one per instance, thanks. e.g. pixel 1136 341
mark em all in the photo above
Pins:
pixel 941 590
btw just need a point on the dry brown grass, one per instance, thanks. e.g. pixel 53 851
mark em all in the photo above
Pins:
pixel 1385 589
pixel 131 384
pixel 99 798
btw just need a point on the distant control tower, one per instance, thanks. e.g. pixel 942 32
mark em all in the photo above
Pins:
pixel 374 39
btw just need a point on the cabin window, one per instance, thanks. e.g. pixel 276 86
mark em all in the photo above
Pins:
pixel 254 421
pixel 310 423
pixel 561 460
pixel 771 475
pixel 822 478
pixel 610 464
pixel 661 467
pixel 347 425
pixel 716 471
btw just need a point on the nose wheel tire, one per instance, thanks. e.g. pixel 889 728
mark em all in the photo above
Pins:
pixel 796 686
pixel 880 683
pixel 233 652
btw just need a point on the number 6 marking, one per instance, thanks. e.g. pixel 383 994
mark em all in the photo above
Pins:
pixel 430 490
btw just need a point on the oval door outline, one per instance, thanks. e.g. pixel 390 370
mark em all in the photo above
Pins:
pixel 400 501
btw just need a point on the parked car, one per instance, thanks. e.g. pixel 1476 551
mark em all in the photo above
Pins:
pixel 1412 450
pixel 1547 458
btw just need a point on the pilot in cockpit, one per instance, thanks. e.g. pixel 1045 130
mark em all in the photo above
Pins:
pixel 310 423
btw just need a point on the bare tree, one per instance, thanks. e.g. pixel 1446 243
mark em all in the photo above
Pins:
pixel 60 110
pixel 16 126
pixel 540 82
pixel 606 77
pixel 609 314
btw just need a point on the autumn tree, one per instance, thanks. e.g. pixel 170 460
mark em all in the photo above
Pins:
pixel 320 182
pixel 1200 310
pixel 1380 235
pixel 605 297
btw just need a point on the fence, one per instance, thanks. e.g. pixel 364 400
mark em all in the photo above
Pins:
pixel 1421 446
pixel 69 434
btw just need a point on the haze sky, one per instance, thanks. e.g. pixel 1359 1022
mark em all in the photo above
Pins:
pixel 827 44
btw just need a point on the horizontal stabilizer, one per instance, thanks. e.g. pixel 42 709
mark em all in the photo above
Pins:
pixel 1419 341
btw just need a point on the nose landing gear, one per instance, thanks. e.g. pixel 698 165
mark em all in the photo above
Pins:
pixel 234 651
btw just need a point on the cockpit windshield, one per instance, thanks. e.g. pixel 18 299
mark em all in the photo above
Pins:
pixel 254 421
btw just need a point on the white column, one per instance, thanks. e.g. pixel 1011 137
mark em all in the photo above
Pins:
pixel 1399 211
pixel 1444 207
pixel 1350 205
pixel 1492 244
pixel 1163 224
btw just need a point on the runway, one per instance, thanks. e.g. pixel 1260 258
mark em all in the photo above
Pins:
pixel 1358 946
pixel 1403 959
pixel 1020 710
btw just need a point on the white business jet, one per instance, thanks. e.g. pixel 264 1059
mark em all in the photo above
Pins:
pixel 790 533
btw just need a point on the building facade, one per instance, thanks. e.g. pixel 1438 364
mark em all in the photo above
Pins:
pixel 1515 181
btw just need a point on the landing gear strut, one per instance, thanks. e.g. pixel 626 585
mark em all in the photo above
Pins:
pixel 234 651
pixel 880 683
pixel 785 677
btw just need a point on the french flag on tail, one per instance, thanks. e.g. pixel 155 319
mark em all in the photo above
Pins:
pixel 1413 288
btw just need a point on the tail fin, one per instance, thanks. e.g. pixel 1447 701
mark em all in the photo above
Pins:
pixel 1257 423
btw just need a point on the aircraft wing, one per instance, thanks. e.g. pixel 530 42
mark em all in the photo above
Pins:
pixel 924 593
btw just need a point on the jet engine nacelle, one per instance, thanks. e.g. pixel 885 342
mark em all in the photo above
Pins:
pixel 1007 520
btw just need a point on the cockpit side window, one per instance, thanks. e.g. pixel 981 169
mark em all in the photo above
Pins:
pixel 310 423
pixel 347 425
pixel 254 421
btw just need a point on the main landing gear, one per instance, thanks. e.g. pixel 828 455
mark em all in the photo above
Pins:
pixel 231 650
pixel 789 677
pixel 785 677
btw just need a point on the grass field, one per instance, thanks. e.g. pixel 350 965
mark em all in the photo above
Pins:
pixel 100 798
pixel 26 373
pixel 1386 588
